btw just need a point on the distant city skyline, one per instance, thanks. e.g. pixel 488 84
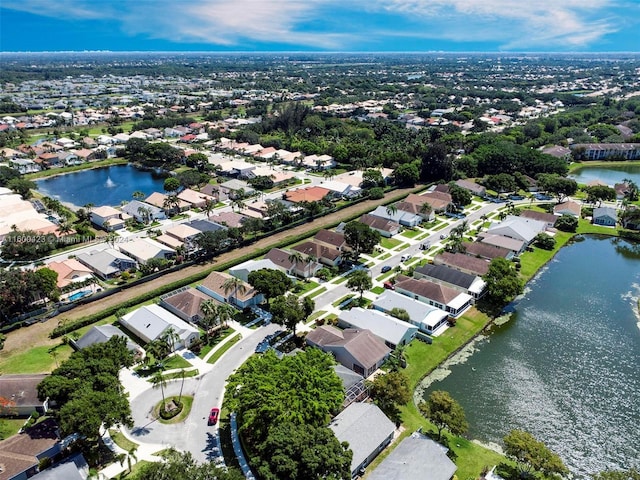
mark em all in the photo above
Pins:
pixel 321 25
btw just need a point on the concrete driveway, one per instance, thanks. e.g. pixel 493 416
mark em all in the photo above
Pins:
pixel 192 435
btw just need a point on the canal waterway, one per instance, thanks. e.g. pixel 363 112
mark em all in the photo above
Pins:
pixel 101 186
pixel 608 175
pixel 566 366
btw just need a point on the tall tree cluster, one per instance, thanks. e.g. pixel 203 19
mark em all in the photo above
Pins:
pixel 283 407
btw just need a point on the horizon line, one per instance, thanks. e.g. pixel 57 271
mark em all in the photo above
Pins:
pixel 316 52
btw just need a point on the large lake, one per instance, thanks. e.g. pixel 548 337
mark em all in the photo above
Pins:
pixel 566 367
pixel 609 175
pixel 101 186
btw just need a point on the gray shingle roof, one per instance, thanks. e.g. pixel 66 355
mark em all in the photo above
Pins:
pixel 102 334
pixel 447 275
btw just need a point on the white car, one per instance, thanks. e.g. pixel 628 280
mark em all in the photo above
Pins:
pixel 404 258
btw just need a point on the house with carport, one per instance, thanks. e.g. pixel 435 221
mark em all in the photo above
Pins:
pixel 427 318
pixel 151 322
pixel 358 350
pixel 390 330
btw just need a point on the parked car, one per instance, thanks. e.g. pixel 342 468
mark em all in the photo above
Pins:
pixel 404 258
pixel 425 246
pixel 385 269
pixel 213 416
pixel 388 286
pixel 443 236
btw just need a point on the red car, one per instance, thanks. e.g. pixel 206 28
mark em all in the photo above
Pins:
pixel 213 416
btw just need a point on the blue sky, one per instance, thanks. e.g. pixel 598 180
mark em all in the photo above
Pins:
pixel 321 25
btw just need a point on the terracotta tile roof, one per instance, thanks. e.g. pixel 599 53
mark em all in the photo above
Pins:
pixel 309 194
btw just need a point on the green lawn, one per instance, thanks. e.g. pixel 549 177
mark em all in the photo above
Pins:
pixel 215 341
pixel 389 243
pixel 176 361
pixel 35 360
pixel 317 292
pixel 218 353
pixel 385 256
pixel 186 409
pixel 339 279
pixel 315 315
pixel 377 290
pixel 531 262
pixel 135 471
pixel 190 373
pixel 384 276
pixel 411 233
pixel 10 426
pixel 122 441
pixel 303 287
pixel 343 299
pixel 402 247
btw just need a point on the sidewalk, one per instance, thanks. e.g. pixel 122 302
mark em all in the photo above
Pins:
pixel 144 451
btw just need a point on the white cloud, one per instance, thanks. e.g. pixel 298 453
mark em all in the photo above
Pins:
pixel 514 23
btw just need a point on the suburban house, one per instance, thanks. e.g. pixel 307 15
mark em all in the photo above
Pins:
pixel 358 350
pixel 331 239
pixel 516 247
pixel 242 297
pixel 461 281
pixel 354 385
pixel 143 212
pixel 186 303
pixel 179 235
pixel 195 199
pixel 366 429
pixel 232 189
pixel 472 187
pixel 151 322
pixel 107 263
pixel 107 218
pixel 71 468
pixel 144 249
pixel 558 151
pixel 308 194
pixel 20 454
pixel 243 270
pixel 518 228
pixel 70 271
pixel 390 330
pixel 20 393
pixel 319 162
pixel 205 226
pixel 462 262
pixel 438 201
pixel 340 189
pixel 304 269
pixel 486 251
pixel 327 255
pixel 102 334
pixel 568 208
pixel 414 209
pixel 385 227
pixel 427 318
pixel 161 200
pixel 416 457
pixel 405 219
pixel 445 298
pixel 548 218
pixel 605 216
pixel 229 219
pixel 24 165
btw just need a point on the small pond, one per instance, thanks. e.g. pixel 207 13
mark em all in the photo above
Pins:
pixel 609 175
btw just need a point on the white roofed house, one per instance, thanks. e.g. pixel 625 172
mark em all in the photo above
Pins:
pixel 446 298
pixel 143 212
pixel 427 318
pixel 107 263
pixel 144 249
pixel 518 228
pixel 339 189
pixel 401 217
pixel 390 330
pixel 107 218
pixel 151 322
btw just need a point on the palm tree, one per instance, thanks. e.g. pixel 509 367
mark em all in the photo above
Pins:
pixel 64 228
pixel 158 380
pixel 209 308
pixel 182 374
pixel 392 210
pixel 235 285
pixel 170 338
pixel 310 260
pixel 209 205
pixel 145 214
pixel 238 202
pixel 225 313
pixel 295 258
pixel 138 195
pixel 425 209
pixel 171 203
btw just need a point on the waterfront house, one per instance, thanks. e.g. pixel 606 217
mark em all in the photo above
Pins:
pixel 605 216
pixel 366 429
pixel 486 251
pixel 358 350
pixel 518 228
pixel 548 218
pixel 445 298
pixel 450 277
pixel 464 263
pixel 516 247
pixel 107 218
pixel 427 318
pixel 390 330
pixel 416 457
pixel 143 212
pixel 24 165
